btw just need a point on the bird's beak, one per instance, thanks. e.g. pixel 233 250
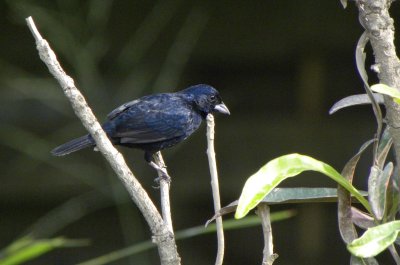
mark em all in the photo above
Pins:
pixel 221 108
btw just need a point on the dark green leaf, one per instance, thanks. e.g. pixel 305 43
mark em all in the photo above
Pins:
pixel 385 143
pixel 354 100
pixel 393 196
pixel 360 57
pixel 378 182
pixel 360 62
pixel 362 219
pixel 346 227
pixel 302 195
pixel 291 195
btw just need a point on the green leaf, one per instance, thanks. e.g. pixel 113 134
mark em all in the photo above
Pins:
pixel 360 57
pixel 375 240
pixel 361 219
pixel 289 195
pixel 230 224
pixel 346 226
pixel 378 183
pixel 387 90
pixel 281 168
pixel 359 261
pixel 28 248
pixel 385 143
pixel 355 100
pixel 302 195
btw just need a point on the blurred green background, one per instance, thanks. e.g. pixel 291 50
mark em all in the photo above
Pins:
pixel 279 66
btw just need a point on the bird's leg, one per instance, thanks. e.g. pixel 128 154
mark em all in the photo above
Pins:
pixel 154 160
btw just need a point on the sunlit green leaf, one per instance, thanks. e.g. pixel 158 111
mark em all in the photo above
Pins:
pixel 387 90
pixel 375 240
pixel 281 168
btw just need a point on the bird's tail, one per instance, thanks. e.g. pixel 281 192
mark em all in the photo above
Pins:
pixel 73 146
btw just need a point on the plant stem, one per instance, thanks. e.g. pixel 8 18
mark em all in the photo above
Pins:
pixel 215 187
pixel 268 253
pixel 164 192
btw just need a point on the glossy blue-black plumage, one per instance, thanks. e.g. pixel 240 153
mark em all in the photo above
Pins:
pixel 155 122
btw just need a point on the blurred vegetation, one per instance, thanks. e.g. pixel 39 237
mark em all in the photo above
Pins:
pixel 279 66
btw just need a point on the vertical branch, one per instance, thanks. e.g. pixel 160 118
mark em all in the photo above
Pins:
pixel 161 234
pixel 215 187
pixel 268 253
pixel 164 191
pixel 375 18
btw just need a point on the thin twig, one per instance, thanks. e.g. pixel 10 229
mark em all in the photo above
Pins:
pixel 215 187
pixel 164 191
pixel 161 234
pixel 268 253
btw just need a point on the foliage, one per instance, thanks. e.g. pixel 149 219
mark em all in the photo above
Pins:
pixel 383 186
pixel 27 248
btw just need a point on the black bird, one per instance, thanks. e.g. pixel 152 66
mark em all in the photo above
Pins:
pixel 155 122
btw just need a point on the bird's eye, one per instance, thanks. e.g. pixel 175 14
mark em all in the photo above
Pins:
pixel 213 97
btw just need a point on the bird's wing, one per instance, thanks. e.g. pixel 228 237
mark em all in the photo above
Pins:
pixel 121 109
pixel 152 120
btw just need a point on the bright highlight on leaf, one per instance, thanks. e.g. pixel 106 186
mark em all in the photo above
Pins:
pixel 387 90
pixel 281 168
pixel 375 240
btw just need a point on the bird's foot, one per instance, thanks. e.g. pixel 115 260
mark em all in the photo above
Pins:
pixel 162 173
pixel 165 177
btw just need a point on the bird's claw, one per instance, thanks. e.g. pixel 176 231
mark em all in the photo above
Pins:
pixel 163 176
pixel 162 173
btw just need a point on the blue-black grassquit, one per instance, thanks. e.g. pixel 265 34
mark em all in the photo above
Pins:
pixel 155 122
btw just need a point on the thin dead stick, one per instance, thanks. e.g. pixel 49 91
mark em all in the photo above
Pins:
pixel 268 253
pixel 164 191
pixel 215 187
pixel 161 234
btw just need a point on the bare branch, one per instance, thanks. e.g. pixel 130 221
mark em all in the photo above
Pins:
pixel 268 254
pixel 161 234
pixel 215 187
pixel 375 18
pixel 164 191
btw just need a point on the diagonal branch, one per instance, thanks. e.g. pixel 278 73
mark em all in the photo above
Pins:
pixel 161 234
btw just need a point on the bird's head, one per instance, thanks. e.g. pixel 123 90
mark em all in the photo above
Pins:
pixel 206 99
